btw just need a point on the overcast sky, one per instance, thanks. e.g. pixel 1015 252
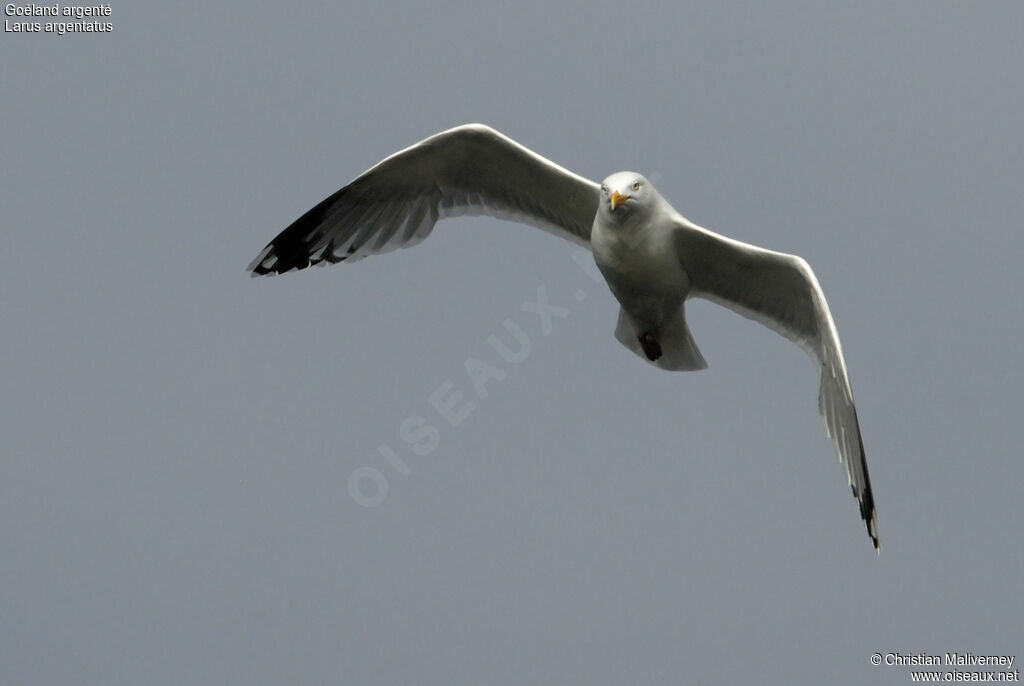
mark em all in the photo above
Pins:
pixel 180 440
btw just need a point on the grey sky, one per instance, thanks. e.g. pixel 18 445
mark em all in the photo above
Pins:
pixel 178 438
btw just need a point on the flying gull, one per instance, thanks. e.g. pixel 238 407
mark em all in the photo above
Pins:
pixel 652 257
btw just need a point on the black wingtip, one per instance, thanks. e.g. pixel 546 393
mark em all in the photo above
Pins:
pixel 866 499
pixel 288 252
pixel 291 249
pixel 867 513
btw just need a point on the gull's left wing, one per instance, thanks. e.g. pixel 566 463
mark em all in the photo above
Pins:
pixel 468 170
pixel 781 292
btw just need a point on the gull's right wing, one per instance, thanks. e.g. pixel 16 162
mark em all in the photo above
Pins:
pixel 468 170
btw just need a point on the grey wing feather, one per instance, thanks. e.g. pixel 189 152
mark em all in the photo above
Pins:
pixel 468 170
pixel 781 292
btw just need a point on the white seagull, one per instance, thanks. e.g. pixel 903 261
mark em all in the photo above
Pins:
pixel 652 257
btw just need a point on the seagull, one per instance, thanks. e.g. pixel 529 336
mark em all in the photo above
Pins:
pixel 652 257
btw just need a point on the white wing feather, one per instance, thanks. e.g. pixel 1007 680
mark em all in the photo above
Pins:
pixel 781 292
pixel 468 170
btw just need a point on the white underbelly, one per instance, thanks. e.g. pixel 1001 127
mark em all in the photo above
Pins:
pixel 645 274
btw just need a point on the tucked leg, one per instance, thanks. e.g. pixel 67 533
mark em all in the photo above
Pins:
pixel 651 345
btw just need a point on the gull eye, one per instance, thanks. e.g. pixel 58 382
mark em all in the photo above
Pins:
pixel 636 185
pixel 604 188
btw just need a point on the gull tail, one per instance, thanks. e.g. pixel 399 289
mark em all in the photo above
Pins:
pixel 672 344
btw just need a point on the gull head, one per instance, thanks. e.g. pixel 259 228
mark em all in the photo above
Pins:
pixel 625 194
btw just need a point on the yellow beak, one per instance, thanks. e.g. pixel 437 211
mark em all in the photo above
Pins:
pixel 618 199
